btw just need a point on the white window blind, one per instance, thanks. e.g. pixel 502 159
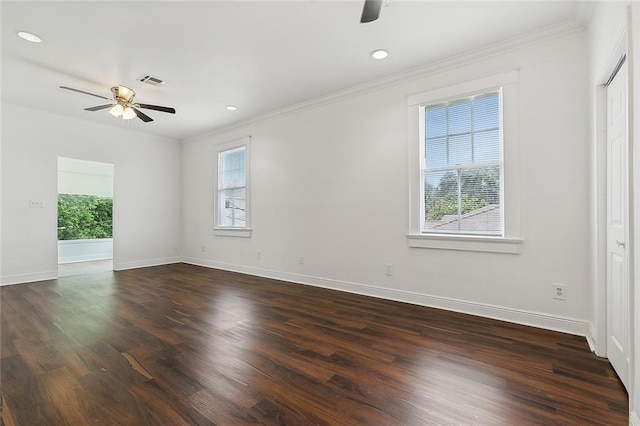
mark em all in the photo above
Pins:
pixel 462 166
pixel 232 177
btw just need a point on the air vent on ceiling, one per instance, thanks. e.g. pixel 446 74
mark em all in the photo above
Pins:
pixel 153 81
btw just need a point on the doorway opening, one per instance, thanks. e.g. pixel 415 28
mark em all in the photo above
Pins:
pixel 85 217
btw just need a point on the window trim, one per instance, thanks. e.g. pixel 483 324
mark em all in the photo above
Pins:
pixel 510 241
pixel 233 231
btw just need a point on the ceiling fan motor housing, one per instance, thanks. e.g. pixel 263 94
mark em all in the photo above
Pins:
pixel 123 93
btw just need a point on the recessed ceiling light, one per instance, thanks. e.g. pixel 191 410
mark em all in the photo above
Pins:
pixel 379 54
pixel 231 108
pixel 29 37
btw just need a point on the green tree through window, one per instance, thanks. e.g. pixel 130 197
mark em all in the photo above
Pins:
pixel 480 187
pixel 84 217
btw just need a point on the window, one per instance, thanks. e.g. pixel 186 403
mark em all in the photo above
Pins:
pixel 232 206
pixel 464 166
pixel 232 188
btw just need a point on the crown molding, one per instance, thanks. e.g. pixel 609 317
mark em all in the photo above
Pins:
pixel 469 57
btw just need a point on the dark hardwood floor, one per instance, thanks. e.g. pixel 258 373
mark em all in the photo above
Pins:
pixel 184 345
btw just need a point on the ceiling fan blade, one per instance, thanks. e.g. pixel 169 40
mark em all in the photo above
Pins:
pixel 157 108
pixel 86 93
pixel 142 116
pixel 98 108
pixel 371 11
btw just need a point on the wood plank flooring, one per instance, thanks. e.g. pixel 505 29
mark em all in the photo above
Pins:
pixel 184 345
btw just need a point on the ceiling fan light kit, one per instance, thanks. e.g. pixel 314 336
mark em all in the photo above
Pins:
pixel 128 113
pixel 117 110
pixel 123 105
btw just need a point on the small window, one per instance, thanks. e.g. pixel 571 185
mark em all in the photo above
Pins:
pixel 232 188
pixel 461 171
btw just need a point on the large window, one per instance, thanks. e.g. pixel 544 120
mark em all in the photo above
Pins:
pixel 232 188
pixel 462 166
pixel 465 173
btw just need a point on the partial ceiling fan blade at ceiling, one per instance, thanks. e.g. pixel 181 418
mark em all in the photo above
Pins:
pixel 86 93
pixel 142 116
pixel 371 11
pixel 98 108
pixel 157 108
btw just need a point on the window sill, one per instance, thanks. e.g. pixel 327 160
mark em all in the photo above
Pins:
pixel 232 232
pixel 465 243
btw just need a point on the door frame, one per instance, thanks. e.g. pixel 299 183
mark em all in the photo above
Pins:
pixel 113 218
pixel 598 337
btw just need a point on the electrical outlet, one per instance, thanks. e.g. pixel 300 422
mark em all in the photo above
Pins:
pixel 388 269
pixel 202 249
pixel 301 260
pixel 258 255
pixel 560 291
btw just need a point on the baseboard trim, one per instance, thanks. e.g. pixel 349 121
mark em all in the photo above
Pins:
pixel 52 275
pixel 634 420
pixel 534 319
pixel 27 278
pixel 122 266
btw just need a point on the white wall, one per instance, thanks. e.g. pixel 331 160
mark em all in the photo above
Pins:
pixel 330 183
pixel 70 251
pixel 85 177
pixel 147 191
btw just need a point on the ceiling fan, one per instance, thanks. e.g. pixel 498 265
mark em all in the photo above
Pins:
pixel 122 104
pixel 371 10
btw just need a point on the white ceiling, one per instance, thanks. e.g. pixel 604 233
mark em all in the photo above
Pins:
pixel 258 55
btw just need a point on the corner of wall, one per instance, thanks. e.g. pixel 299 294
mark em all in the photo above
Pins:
pixel 591 338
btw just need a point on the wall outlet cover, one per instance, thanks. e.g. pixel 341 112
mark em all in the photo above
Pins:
pixel 560 291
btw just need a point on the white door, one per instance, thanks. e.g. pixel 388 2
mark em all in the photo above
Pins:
pixel 617 226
